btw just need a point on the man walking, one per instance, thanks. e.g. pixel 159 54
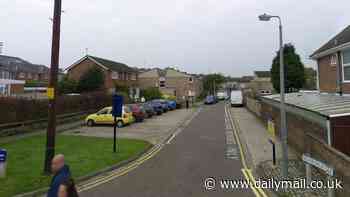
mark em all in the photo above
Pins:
pixel 61 174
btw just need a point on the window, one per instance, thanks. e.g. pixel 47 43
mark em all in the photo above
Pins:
pixel 103 111
pixel 134 77
pixel 346 65
pixel 162 82
pixel 22 75
pixel 115 75
pixel 333 59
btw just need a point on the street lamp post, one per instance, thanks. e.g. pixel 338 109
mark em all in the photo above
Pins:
pixel 284 132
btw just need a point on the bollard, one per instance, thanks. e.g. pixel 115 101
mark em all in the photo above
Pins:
pixel 3 157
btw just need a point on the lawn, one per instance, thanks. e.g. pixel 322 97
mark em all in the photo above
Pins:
pixel 84 155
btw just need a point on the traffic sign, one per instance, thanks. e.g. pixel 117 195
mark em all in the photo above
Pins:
pixel 117 106
pixel 3 155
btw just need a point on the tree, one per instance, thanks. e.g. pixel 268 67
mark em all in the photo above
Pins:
pixel 212 82
pixel 293 69
pixel 91 80
pixel 151 93
pixel 310 79
pixel 66 86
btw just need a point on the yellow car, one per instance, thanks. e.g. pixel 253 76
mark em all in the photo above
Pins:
pixel 104 116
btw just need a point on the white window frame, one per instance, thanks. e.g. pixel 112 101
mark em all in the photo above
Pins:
pixel 344 65
pixel 114 75
pixel 333 59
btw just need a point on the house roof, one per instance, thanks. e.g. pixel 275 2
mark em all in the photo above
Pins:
pixel 167 72
pixel 16 64
pixel 327 105
pixel 116 66
pixel 338 40
pixel 105 63
pixel 262 74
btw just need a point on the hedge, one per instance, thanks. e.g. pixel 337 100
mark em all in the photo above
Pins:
pixel 23 109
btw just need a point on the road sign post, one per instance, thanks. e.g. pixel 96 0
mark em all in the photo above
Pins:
pixel 117 111
pixel 309 161
pixel 3 159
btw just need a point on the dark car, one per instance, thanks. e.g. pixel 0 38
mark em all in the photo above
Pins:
pixel 138 112
pixel 149 109
pixel 157 107
pixel 164 104
pixel 209 100
pixel 172 104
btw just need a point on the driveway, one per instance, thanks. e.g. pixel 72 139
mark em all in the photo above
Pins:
pixel 153 130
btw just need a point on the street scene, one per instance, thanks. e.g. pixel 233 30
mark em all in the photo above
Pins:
pixel 174 98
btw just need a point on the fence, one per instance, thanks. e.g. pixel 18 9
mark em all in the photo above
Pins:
pixel 23 109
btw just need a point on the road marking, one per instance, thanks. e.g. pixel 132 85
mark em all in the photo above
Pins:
pixel 255 191
pixel 124 170
pixel 246 171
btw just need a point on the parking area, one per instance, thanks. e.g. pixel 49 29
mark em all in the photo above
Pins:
pixel 153 130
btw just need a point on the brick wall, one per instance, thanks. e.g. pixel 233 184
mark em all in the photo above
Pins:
pixel 254 106
pixel 181 85
pixel 297 127
pixel 332 157
pixel 148 82
pixel 308 137
pixel 327 74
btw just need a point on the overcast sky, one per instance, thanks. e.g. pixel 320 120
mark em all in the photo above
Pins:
pixel 197 36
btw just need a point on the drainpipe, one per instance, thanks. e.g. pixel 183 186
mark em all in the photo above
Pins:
pixel 339 74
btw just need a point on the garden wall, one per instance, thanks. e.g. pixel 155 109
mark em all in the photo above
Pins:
pixel 23 109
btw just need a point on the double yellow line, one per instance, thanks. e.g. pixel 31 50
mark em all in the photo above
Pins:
pixel 248 175
pixel 120 172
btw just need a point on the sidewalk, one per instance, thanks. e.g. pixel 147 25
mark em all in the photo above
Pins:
pixel 256 137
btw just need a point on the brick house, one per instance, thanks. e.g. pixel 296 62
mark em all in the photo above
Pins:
pixel 116 74
pixel 172 82
pixel 20 69
pixel 8 85
pixel 333 64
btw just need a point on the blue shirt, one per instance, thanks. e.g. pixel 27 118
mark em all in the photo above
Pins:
pixel 61 176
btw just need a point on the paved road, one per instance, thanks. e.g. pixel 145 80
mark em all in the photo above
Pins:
pixel 181 167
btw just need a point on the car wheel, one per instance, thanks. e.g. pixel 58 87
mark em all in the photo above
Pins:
pixel 120 124
pixel 90 123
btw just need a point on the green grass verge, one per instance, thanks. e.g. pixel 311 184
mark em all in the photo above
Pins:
pixel 84 155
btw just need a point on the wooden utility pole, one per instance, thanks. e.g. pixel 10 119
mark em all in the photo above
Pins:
pixel 51 90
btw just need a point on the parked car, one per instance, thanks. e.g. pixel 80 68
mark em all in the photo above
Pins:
pixel 221 95
pixel 104 116
pixel 210 99
pixel 164 104
pixel 149 109
pixel 236 98
pixel 157 107
pixel 138 112
pixel 172 104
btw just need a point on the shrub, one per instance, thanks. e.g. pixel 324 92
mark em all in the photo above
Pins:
pixel 91 81
pixel 66 86
pixel 151 93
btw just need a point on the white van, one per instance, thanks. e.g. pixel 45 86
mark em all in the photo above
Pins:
pixel 236 98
